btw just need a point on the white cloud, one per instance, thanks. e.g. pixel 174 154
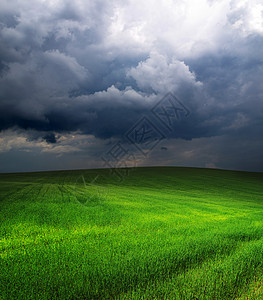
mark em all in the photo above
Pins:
pixel 162 75
pixel 247 16
pixel 179 27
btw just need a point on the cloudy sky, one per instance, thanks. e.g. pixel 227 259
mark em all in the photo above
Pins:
pixel 82 84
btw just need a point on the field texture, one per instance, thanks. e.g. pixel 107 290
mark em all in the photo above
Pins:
pixel 162 233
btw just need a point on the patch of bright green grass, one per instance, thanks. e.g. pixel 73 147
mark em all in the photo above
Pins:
pixel 162 233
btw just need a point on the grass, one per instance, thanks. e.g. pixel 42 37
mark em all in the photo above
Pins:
pixel 162 233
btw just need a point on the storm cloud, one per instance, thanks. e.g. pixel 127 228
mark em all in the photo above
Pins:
pixel 93 68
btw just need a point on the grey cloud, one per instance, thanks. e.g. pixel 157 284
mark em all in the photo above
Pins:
pixel 77 66
pixel 50 138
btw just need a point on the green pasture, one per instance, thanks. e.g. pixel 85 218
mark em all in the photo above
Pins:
pixel 160 233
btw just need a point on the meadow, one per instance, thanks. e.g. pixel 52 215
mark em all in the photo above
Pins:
pixel 161 233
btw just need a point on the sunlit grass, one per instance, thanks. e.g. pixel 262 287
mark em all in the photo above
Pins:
pixel 162 233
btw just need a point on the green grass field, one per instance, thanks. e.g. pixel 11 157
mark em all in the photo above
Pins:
pixel 162 233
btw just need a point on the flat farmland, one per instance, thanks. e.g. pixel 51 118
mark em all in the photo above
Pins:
pixel 161 233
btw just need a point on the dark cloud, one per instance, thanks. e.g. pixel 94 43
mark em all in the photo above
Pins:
pixel 96 68
pixel 50 138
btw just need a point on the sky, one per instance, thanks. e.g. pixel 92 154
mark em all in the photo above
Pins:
pixel 91 84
